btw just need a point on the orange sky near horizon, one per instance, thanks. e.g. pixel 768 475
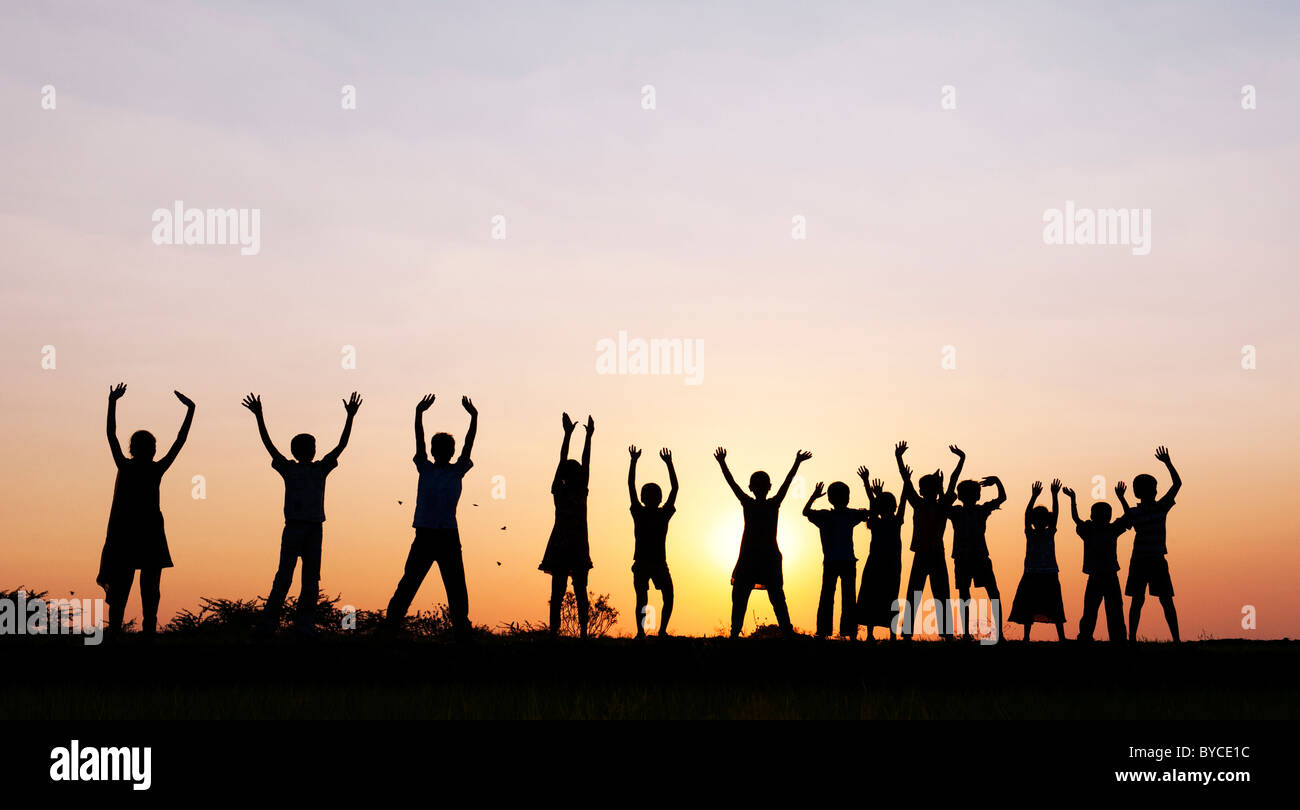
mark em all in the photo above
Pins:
pixel 924 231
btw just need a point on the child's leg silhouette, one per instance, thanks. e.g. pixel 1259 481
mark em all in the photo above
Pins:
pixel 915 588
pixel 290 548
pixel 451 565
pixel 964 610
pixel 848 600
pixel 739 603
pixel 150 595
pixel 580 596
pixel 116 592
pixel 995 598
pixel 418 562
pixel 559 584
pixel 826 601
pixel 667 592
pixel 310 552
pixel 941 593
pixel 1135 615
pixel 777 595
pixel 1114 610
pixel 1092 596
pixel 1171 616
pixel 641 587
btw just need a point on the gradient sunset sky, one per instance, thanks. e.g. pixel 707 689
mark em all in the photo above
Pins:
pixel 924 230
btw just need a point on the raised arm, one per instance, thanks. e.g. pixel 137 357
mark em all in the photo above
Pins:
pixel 1056 500
pixel 420 407
pixel 115 392
pixel 951 494
pixel 634 454
pixel 569 425
pixel 1001 498
pixel 909 492
pixel 590 427
pixel 1074 507
pixel 865 475
pixel 1120 489
pixel 182 434
pixel 1176 484
pixel 667 456
pixel 1035 491
pixel 818 491
pixel 351 404
pixel 468 446
pixel 254 403
pixel 799 458
pixel 721 455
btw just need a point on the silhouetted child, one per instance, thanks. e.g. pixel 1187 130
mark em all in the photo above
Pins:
pixel 437 535
pixel 1038 597
pixel 970 550
pixel 839 564
pixel 135 540
pixel 759 562
pixel 1101 564
pixel 876 605
pixel 304 514
pixel 1148 567
pixel 568 555
pixel 650 528
pixel 929 520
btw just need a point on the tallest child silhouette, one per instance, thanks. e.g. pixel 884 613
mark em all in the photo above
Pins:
pixel 135 540
pixel 437 535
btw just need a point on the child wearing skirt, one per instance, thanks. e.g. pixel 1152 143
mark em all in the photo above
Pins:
pixel 884 569
pixel 1038 597
pixel 136 540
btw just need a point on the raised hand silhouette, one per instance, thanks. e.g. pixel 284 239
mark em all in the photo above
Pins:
pixel 352 404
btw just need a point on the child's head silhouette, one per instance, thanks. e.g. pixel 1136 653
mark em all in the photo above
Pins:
pixel 651 495
pixel 143 445
pixel 1144 487
pixel 929 485
pixel 303 447
pixel 885 504
pixel 442 447
pixel 838 494
pixel 969 492
pixel 1040 518
pixel 571 474
pixel 1101 512
pixel 760 484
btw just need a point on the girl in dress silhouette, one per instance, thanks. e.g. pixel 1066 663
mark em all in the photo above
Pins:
pixel 884 569
pixel 568 555
pixel 135 540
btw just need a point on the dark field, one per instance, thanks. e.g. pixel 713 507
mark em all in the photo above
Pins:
pixel 530 677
